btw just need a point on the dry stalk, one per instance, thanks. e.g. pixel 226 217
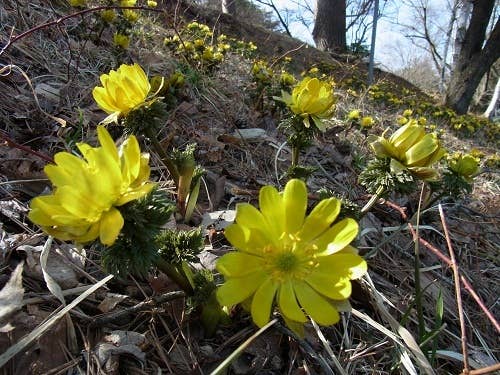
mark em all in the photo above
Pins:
pixel 458 292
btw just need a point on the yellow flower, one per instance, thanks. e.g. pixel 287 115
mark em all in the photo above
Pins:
pixel 410 148
pixel 152 4
pixel 199 43
pixel 402 120
pixel 286 79
pixel 304 264
pixel 261 72
pixel 407 112
pixel 122 90
pixel 88 190
pixel 208 54
pixel 128 3
pixel 354 115
pixel 367 121
pixel 130 15
pixel 108 15
pixel 78 3
pixel 422 121
pixel 311 99
pixel 121 40
pixel 464 165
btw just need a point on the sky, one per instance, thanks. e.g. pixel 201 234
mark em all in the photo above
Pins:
pixel 392 48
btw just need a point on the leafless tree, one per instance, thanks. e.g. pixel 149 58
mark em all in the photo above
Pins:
pixel 478 52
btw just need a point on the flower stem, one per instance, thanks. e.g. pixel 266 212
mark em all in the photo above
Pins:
pixel 375 197
pixel 295 155
pixel 172 272
pixel 163 155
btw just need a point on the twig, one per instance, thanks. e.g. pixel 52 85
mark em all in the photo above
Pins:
pixel 104 319
pixel 486 370
pixel 10 142
pixel 458 291
pixel 468 287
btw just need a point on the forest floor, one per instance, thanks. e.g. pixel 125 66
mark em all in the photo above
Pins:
pixel 137 325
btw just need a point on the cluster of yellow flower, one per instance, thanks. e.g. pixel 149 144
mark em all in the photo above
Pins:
pixel 302 264
pixel 355 117
pixel 122 20
pixel 196 43
pixel 80 208
pixel 264 75
pixel 463 124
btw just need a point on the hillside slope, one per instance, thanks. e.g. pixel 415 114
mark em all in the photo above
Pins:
pixel 230 113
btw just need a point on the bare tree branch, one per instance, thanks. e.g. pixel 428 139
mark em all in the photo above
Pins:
pixel 271 4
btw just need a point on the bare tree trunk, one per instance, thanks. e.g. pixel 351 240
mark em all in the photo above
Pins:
pixel 493 101
pixel 464 14
pixel 474 60
pixel 229 7
pixel 453 19
pixel 330 25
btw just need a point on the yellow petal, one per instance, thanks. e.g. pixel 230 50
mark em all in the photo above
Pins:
pixel 421 150
pixel 295 201
pixel 248 216
pixel 263 301
pixel 103 100
pixel 343 264
pixel 251 241
pixel 134 194
pixel 107 143
pixel 238 264
pixel 330 285
pixel 77 203
pixel 320 219
pixel 110 226
pixel 91 233
pixel 271 206
pixel 130 159
pixel 288 303
pixel 318 308
pixel 238 289
pixel 337 237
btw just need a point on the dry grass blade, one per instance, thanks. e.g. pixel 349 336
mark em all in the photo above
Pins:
pixel 240 349
pixel 405 335
pixel 328 349
pixel 56 290
pixel 405 358
pixel 26 340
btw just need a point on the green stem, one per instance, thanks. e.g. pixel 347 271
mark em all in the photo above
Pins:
pixel 163 155
pixel 295 156
pixel 172 272
pixel 374 199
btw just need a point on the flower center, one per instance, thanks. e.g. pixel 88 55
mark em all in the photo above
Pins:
pixel 286 262
pixel 289 261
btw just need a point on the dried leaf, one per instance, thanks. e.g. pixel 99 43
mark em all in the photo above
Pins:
pixel 11 295
pixel 56 290
pixel 110 301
